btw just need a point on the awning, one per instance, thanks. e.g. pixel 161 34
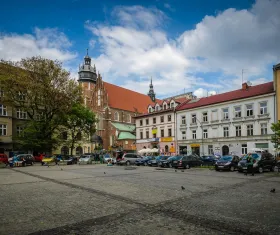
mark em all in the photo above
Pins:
pixel 126 136
pixel 123 127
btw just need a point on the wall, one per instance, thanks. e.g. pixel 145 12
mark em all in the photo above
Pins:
pixel 276 74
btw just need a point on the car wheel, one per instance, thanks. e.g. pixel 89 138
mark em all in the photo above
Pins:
pixel 231 168
pixel 216 169
pixel 260 169
pixel 272 168
pixel 128 163
pixel 32 164
pixel 170 165
pixel 176 167
pixel 187 166
pixel 23 164
pixel 145 163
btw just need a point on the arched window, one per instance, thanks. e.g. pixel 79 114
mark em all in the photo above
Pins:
pixel 116 116
pixel 64 150
pixel 98 98
pixel 150 110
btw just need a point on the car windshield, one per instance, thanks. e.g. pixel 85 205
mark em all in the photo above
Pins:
pixel 255 156
pixel 107 156
pixel 226 158
pixel 159 157
pixel 84 156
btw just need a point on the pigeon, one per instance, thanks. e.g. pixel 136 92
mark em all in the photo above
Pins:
pixel 175 170
pixel 61 169
pixel 48 166
pixel 272 190
pixel 182 187
pixel 182 170
pixel 104 173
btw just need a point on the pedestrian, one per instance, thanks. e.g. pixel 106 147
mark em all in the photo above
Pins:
pixel 250 165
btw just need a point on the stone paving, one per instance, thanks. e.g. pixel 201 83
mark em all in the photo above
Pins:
pixel 96 199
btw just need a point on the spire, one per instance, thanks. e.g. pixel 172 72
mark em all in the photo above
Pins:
pixel 151 91
pixel 87 51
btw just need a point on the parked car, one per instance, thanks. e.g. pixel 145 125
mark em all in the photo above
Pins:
pixel 38 157
pixel 4 158
pixel 144 161
pixel 187 162
pixel 227 163
pixel 25 159
pixel 156 161
pixel 86 159
pixel 209 160
pixel 128 159
pixel 69 160
pixel 264 161
pixel 107 158
pixel 169 161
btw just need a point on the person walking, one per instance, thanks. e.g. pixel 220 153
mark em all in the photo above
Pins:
pixel 250 165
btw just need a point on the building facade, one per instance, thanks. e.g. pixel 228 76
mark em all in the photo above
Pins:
pixel 156 128
pixel 228 123
pixel 276 80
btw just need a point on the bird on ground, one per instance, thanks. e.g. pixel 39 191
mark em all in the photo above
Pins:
pixel 61 169
pixel 182 187
pixel 104 173
pixel 175 170
pixel 48 166
pixel 272 190
pixel 182 170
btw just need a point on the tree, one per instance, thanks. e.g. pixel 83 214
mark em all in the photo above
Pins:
pixel 275 127
pixel 79 123
pixel 43 90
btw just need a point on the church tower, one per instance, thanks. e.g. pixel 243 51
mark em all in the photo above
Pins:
pixel 151 92
pixel 87 79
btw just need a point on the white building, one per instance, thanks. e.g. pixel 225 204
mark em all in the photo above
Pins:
pixel 228 123
pixel 156 128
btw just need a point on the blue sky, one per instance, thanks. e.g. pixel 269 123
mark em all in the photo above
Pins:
pixel 200 46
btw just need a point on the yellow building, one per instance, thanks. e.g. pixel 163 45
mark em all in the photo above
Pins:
pixel 276 78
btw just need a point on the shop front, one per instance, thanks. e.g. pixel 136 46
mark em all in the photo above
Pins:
pixel 167 145
pixel 195 148
pixel 147 143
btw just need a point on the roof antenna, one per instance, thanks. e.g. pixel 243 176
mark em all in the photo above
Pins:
pixel 87 51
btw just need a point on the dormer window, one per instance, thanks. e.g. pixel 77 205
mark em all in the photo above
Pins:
pixel 150 110
pixel 172 105
pixel 164 106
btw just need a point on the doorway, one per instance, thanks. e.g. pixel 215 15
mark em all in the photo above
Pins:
pixel 195 150
pixel 166 148
pixel 225 150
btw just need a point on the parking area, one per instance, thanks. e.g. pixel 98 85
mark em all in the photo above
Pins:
pixel 98 199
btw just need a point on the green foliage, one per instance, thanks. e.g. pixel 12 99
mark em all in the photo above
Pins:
pixel 79 123
pixel 45 91
pixel 275 127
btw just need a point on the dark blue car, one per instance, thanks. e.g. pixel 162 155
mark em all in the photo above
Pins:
pixel 169 161
pixel 144 160
pixel 208 160
pixel 156 161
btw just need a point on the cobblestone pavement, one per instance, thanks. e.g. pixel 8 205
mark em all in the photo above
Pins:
pixel 96 199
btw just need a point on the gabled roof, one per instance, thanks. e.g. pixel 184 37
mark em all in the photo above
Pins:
pixel 123 126
pixel 122 98
pixel 126 136
pixel 252 91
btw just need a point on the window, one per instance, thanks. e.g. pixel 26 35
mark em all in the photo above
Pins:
pixel 64 135
pixel 225 112
pixel 161 118
pixel 162 132
pixel 98 97
pixel 169 118
pixel 250 130
pixel 3 110
pixel 169 132
pixel 116 116
pixel 79 136
pixel 147 121
pixel 214 115
pixel 141 135
pixel 184 135
pixel 238 130
pixel 19 130
pixel 164 106
pixel 21 114
pixel 154 120
pixel 237 112
pixel 205 117
pixel 194 134
pixel 172 105
pixel 147 134
pixel 157 108
pixel 210 150
pixel 128 118
pixel 226 132
pixel 141 122
pixel 21 96
pixel 205 134
pixel 193 118
pixel 150 110
pixel 183 120
pixel 249 110
pixel 263 129
pixel 3 129
pixel 263 107
pixel 244 148
pixel 154 135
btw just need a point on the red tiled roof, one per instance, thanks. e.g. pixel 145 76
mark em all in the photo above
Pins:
pixel 181 100
pixel 261 89
pixel 122 98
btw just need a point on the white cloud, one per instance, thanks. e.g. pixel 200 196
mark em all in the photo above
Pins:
pixel 92 43
pixel 138 47
pixel 48 43
pixel 168 6
pixel 200 92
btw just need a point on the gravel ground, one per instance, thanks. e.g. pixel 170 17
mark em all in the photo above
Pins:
pixel 96 199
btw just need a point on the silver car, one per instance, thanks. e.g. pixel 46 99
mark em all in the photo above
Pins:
pixel 86 159
pixel 129 158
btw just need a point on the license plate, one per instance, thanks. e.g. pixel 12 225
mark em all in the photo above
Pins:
pixel 175 162
pixel 244 168
pixel 220 166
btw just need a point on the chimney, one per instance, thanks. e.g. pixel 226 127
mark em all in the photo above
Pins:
pixel 245 86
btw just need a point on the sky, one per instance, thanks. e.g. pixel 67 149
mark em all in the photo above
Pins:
pixel 199 46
